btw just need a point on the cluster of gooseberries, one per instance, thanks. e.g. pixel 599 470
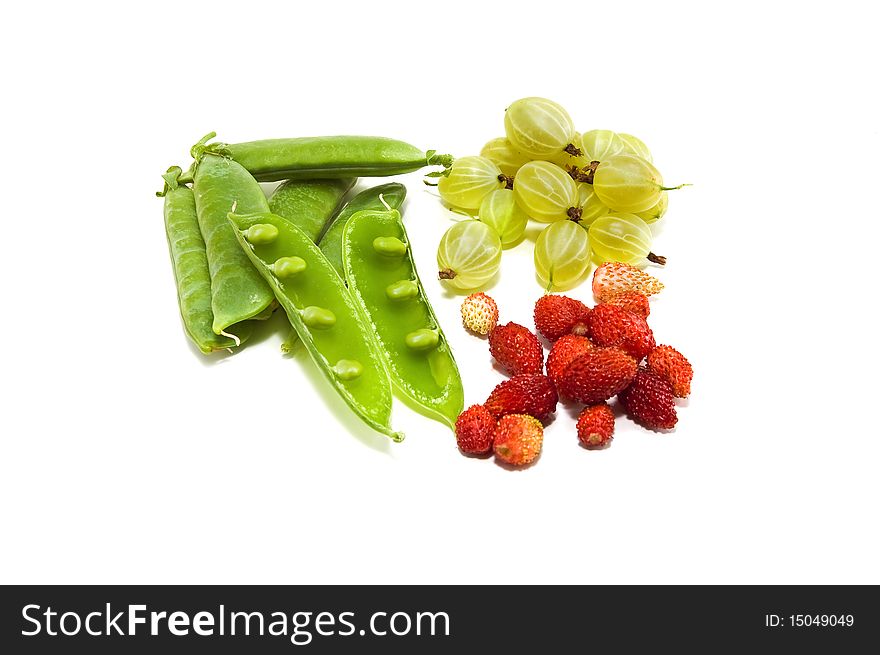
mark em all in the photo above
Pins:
pixel 598 191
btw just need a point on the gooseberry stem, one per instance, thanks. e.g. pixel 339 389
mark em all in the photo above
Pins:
pixel 673 188
pixel 657 259
pixel 584 174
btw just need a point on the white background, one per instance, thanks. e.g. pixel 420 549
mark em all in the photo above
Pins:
pixel 127 457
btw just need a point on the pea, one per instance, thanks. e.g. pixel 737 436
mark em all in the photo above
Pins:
pixel 261 234
pixel 318 317
pixel 309 204
pixel 238 292
pixel 422 339
pixel 288 266
pixel 326 317
pixel 324 157
pixel 389 246
pixel 392 193
pixel 417 355
pixel 402 290
pixel 348 369
pixel 190 265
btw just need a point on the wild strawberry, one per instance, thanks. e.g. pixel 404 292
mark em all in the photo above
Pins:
pixel 518 439
pixel 649 401
pixel 562 353
pixel 612 278
pixel 632 301
pixel 557 315
pixel 516 349
pixel 613 326
pixel 479 313
pixel 597 375
pixel 595 425
pixel 671 365
pixel 474 430
pixel 534 395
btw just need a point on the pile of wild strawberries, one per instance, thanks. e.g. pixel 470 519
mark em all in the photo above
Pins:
pixel 595 354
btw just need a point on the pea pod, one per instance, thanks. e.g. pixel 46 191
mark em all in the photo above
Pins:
pixel 382 277
pixel 324 157
pixel 331 241
pixel 324 314
pixel 190 263
pixel 237 290
pixel 309 204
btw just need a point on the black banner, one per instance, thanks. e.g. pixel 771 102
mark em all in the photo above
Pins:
pixel 417 619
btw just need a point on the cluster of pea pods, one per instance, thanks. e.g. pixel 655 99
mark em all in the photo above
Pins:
pixel 342 272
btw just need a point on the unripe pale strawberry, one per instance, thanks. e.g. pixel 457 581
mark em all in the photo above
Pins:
pixel 613 278
pixel 479 313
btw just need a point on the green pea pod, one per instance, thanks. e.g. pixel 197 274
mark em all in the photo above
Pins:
pixel 331 242
pixel 309 204
pixel 383 279
pixel 238 292
pixel 324 157
pixel 324 314
pixel 190 265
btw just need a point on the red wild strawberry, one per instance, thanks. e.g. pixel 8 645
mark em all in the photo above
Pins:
pixel 479 313
pixel 613 278
pixel 597 375
pixel 562 353
pixel 632 301
pixel 595 425
pixel 474 430
pixel 613 326
pixel 557 315
pixel 516 349
pixel 534 395
pixel 649 401
pixel 671 365
pixel 518 439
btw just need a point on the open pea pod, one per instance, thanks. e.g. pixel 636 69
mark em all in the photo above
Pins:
pixel 382 277
pixel 378 197
pixel 322 311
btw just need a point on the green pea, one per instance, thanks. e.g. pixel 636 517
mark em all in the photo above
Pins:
pixel 323 157
pixel 423 339
pixel 261 234
pixel 238 292
pixel 392 193
pixel 389 246
pixel 191 272
pixel 288 266
pixel 402 290
pixel 348 369
pixel 309 204
pixel 419 359
pixel 318 317
pixel 322 302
